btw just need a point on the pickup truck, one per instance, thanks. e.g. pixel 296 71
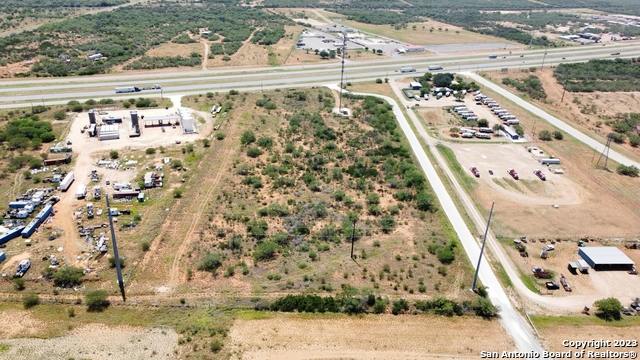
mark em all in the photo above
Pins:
pixel 616 53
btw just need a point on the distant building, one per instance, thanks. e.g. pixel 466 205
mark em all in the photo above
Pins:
pixel 414 48
pixel 94 57
pixel 415 85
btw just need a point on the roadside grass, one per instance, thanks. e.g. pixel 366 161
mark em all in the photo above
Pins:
pixel 466 181
pixel 528 281
pixel 503 276
pixel 499 182
pixel 547 322
pixel 273 57
pixel 512 183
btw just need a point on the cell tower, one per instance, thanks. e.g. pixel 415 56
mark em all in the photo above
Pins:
pixel 605 151
pixel 115 251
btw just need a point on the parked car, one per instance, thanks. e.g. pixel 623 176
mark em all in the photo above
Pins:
pixel 490 172
pixel 550 247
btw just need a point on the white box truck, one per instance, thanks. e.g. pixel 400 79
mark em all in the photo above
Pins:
pixel 81 191
pixel 66 182
pixel 408 69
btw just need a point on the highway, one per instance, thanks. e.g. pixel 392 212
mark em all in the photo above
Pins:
pixel 22 92
pixel 512 321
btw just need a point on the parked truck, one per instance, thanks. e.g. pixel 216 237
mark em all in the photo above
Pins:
pixel 128 89
pixel 435 67
pixel 23 266
pixel 81 191
pixel 540 174
pixel 408 69
pixel 565 283
pixel 475 171
pixel 513 174
pixel 66 182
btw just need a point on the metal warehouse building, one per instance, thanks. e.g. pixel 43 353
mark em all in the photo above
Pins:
pixel 606 258
pixel 109 132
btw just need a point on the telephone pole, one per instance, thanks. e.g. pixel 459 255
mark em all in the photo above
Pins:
pixel 344 49
pixel 484 241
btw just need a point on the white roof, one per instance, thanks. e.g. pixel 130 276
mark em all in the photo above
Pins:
pixel 605 255
pixel 415 84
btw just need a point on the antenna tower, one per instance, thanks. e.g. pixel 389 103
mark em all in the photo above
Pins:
pixel 605 151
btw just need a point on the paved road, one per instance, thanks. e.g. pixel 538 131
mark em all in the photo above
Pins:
pixel 513 322
pixel 589 141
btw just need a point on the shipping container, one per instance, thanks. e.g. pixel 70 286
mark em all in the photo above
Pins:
pixel 66 182
pixel 17 204
pixel 12 234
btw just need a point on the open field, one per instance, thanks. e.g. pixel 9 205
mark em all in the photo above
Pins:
pixel 599 188
pixel 292 336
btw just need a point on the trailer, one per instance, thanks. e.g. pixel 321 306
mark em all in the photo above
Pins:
pixel 550 161
pixel 486 130
pixel 81 191
pixel 483 136
pixel 128 89
pixel 66 182
pixel 12 234
pixel 37 221
pixel 435 67
pixel 565 283
pixel 17 204
pixel 513 122
pixel 407 69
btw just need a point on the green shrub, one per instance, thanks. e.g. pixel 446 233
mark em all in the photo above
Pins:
pixel 96 300
pixel 31 300
pixel 68 276
pixel 266 251
pixel 630 170
pixel 210 262
pixel 18 284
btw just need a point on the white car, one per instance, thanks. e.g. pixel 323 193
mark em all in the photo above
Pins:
pixel 550 247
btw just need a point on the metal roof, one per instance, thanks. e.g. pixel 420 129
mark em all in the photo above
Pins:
pixel 601 255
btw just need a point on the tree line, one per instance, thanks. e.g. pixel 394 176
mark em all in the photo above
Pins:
pixel 600 75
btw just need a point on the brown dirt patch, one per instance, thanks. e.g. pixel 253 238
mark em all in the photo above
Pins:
pixel 171 49
pixel 553 336
pixel 21 324
pixel 97 342
pixel 295 336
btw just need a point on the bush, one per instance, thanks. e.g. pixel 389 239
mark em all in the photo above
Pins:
pixel 220 136
pixel 254 152
pixel 216 345
pixel 96 300
pixel 558 135
pixel 60 115
pixel 608 309
pixel 248 137
pixel 29 301
pixel 399 306
pixel 483 123
pixel 113 154
pixel 483 307
pixel 177 193
pixel 631 170
pixel 150 151
pixel 145 246
pixel 445 255
pixel 210 262
pixel 68 276
pixel 544 135
pixel 378 81
pixel 266 251
pixel 112 262
pixel 18 284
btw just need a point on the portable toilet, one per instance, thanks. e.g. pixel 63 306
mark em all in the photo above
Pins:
pixel 2 256
pixel 141 197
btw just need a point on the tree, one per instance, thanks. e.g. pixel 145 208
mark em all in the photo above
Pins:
pixel 248 137
pixel 442 79
pixel 483 307
pixel 324 54
pixel 266 250
pixel 459 95
pixel 544 135
pixel 113 154
pixel 608 309
pixel 379 51
pixel 206 143
pixel 425 202
pixel 483 123
pixel 112 261
pixel 378 81
pixel 150 151
pixel 558 135
pixel 68 276
pixel 96 300
pixel 332 54
pixel 518 129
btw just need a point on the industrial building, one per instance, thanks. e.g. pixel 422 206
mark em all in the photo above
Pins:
pixel 186 121
pixel 606 258
pixel 414 85
pixel 109 132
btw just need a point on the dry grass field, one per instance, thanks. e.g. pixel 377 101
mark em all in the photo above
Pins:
pixel 171 49
pixel 293 336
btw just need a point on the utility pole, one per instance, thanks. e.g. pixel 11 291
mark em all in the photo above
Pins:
pixel 531 41
pixel 344 49
pixel 543 57
pixel 115 251
pixel 484 241
pixel 353 236
pixel 564 88
pixel 533 129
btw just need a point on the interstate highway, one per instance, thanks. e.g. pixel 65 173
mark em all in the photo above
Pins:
pixel 20 93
